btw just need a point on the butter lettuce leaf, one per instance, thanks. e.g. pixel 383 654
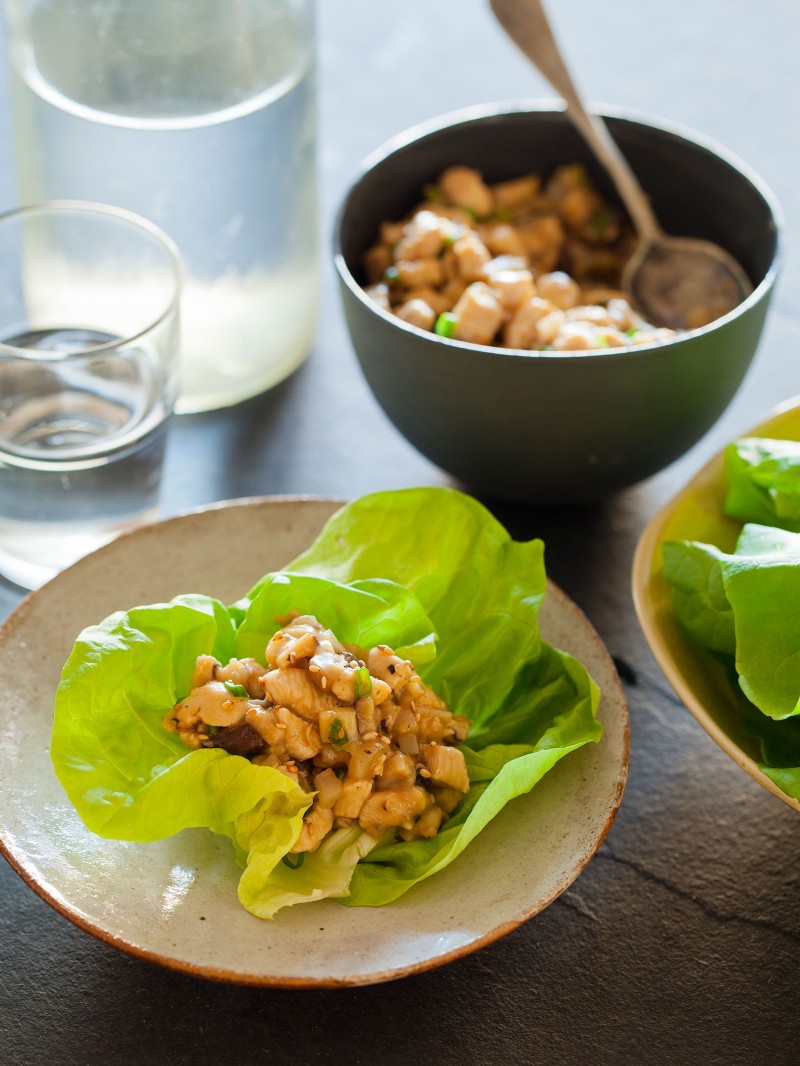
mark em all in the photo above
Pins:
pixel 764 482
pixel 428 571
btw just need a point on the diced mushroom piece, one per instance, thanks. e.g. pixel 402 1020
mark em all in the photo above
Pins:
pixel 295 689
pixel 354 795
pixel 417 313
pixel 471 256
pixel 240 739
pixel 559 289
pixel 465 187
pixel 446 766
pixel 317 822
pixel 521 330
pixel 392 807
pixel 413 273
pixel 422 238
pixel 478 314
pixel 245 672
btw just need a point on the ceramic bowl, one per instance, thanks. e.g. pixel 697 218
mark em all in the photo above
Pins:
pixel 558 427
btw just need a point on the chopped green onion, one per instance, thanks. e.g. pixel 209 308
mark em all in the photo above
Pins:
pixel 294 862
pixel 431 192
pixel 600 222
pixel 236 690
pixel 363 682
pixel 445 324
pixel 473 214
pixel 631 332
pixel 392 275
pixel 337 734
pixel 340 773
pixel 503 215
pixel 602 341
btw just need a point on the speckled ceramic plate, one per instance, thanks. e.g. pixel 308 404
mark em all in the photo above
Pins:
pixel 175 901
pixel 696 676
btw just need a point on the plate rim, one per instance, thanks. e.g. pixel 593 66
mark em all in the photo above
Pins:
pixel 220 974
pixel 646 578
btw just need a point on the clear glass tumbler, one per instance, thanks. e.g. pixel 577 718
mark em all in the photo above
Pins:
pixel 199 115
pixel 89 310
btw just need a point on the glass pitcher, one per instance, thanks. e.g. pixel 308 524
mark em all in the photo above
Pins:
pixel 199 115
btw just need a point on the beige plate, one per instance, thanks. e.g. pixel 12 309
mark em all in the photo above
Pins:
pixel 697 677
pixel 175 901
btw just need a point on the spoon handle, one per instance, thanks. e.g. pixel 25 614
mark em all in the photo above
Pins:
pixel 526 23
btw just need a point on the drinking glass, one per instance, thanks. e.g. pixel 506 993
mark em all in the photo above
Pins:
pixel 199 115
pixel 89 298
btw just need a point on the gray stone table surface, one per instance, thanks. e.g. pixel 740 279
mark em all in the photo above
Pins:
pixel 680 942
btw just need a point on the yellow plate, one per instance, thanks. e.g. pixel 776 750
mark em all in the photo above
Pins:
pixel 697 677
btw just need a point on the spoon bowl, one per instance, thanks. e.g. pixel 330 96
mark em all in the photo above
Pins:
pixel 679 282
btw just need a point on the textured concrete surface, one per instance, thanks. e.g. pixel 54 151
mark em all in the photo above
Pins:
pixel 679 943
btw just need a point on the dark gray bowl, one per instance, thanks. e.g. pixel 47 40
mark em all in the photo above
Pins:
pixel 558 427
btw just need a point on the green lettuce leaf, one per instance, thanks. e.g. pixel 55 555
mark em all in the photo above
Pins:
pixel 426 571
pixel 764 482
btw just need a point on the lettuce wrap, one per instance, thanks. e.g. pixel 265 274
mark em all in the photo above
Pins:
pixel 429 572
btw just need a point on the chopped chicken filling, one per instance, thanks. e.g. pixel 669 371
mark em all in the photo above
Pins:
pixel 358 728
pixel 520 264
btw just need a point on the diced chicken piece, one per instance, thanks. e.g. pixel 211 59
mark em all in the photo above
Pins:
pixel 294 644
pixel 398 770
pixel 354 795
pixel 478 314
pixel 391 233
pixel 613 338
pixel 295 689
pixel 559 289
pixel 388 667
pixel 466 188
pixel 516 193
pixel 543 238
pixel 576 337
pixel 213 704
pixel 423 237
pixel 521 330
pixel 434 298
pixel 392 807
pixel 317 821
pixel 301 739
pixel 513 287
pixel 426 826
pixel 622 314
pixel 597 316
pixel 245 672
pixel 413 273
pixel 505 262
pixel 471 256
pixel 446 766
pixel 417 313
pixel 434 724
pixel 376 260
pixel 380 294
pixel 548 328
pixel 452 292
pixel 205 670
pixel 502 239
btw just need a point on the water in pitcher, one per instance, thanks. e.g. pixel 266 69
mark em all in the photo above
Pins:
pixel 199 115
pixel 81 449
